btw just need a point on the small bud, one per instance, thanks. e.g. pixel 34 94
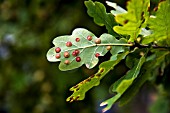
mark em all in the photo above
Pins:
pixel 78 59
pixel 97 55
pixel 77 39
pixel 109 47
pixel 98 41
pixel 66 54
pixel 89 38
pixel 68 44
pixel 57 56
pixel 66 62
pixel 57 50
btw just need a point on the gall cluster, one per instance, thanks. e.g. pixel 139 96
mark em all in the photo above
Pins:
pixel 76 52
pixel 66 54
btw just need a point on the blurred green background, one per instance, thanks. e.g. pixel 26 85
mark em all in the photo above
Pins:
pixel 28 82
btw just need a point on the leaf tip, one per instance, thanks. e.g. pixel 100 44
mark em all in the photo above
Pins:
pixel 103 104
pixel 106 108
pixel 51 56
pixel 88 66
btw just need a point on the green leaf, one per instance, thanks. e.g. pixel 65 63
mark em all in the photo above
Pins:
pixel 135 87
pixel 152 62
pixel 88 49
pixel 120 86
pixel 94 80
pixel 160 24
pixel 98 11
pixel 134 19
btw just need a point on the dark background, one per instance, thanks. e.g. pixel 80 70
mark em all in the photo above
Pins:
pixel 31 84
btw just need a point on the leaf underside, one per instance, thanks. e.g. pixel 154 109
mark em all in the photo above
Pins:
pixel 118 9
pixel 87 49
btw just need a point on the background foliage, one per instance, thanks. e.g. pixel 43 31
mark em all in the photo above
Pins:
pixel 28 82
